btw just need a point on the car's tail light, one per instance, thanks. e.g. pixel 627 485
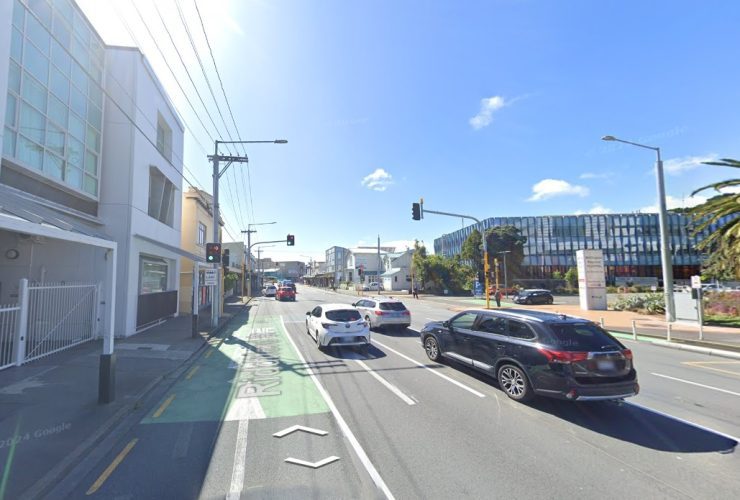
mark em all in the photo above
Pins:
pixel 563 356
pixel 327 325
pixel 406 313
pixel 379 313
pixel 627 353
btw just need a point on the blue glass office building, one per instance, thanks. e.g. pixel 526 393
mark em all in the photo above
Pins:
pixel 631 243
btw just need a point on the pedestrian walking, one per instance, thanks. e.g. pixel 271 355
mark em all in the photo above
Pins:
pixel 416 292
pixel 497 296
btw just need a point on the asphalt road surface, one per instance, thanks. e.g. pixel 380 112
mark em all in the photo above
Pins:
pixel 392 424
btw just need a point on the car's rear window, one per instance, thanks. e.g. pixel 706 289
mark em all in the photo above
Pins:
pixel 392 306
pixel 343 315
pixel 582 337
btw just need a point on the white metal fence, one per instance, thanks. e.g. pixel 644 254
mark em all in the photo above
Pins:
pixel 48 318
pixel 8 324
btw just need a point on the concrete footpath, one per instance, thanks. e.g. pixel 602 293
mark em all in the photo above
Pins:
pixel 51 417
pixel 652 327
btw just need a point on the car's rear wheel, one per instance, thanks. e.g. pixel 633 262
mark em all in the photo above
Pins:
pixel 431 347
pixel 318 342
pixel 550 301
pixel 514 383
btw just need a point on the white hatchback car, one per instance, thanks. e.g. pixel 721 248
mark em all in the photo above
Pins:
pixel 380 312
pixel 337 325
pixel 270 291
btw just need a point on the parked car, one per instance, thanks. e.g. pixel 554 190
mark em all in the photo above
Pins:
pixel 536 353
pixel 337 325
pixel 269 291
pixel 373 287
pixel 382 312
pixel 285 293
pixel 534 296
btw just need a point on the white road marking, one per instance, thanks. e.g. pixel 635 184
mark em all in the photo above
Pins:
pixel 244 408
pixel 451 380
pixel 240 458
pixel 313 465
pixel 395 390
pixel 294 428
pixel 683 421
pixel 369 467
pixel 696 384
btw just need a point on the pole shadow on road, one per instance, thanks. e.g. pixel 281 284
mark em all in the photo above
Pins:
pixel 391 332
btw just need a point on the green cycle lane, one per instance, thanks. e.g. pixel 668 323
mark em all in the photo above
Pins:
pixel 252 372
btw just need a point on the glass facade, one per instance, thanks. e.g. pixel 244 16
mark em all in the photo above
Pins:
pixel 54 118
pixel 631 243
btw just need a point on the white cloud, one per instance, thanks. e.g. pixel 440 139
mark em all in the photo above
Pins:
pixel 677 166
pixel 549 188
pixel 598 208
pixel 379 180
pixel 487 107
pixel 673 202
pixel 592 175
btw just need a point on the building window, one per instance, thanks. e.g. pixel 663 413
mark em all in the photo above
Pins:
pixel 202 234
pixel 48 79
pixel 161 197
pixel 153 274
pixel 164 138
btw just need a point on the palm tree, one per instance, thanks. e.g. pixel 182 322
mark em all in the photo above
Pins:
pixel 723 209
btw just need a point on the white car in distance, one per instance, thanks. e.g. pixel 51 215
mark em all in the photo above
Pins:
pixel 337 325
pixel 384 312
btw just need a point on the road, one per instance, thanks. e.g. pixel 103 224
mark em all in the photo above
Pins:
pixel 393 424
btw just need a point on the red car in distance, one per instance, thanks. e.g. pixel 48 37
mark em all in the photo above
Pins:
pixel 285 293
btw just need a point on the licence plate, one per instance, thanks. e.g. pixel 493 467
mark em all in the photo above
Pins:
pixel 606 365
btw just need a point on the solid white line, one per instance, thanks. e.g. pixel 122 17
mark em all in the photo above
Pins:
pixel 459 384
pixel 240 458
pixel 395 390
pixel 696 384
pixel 683 421
pixel 369 467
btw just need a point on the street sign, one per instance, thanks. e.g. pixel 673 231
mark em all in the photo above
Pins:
pixel 696 282
pixel 210 277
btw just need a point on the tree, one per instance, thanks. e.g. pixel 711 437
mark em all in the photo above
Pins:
pixel 437 273
pixel 557 275
pixel 723 209
pixel 571 277
pixel 472 250
pixel 502 238
pixel 722 264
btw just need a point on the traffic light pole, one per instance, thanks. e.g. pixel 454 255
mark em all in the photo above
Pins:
pixel 485 245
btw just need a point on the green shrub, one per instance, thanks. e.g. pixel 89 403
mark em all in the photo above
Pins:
pixel 651 303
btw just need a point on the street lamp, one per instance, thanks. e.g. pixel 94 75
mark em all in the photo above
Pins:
pixel 665 251
pixel 217 158
pixel 249 232
pixel 506 279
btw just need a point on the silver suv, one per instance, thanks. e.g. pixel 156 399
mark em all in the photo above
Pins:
pixel 381 312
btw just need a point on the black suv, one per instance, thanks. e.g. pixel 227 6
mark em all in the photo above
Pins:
pixel 533 352
pixel 534 297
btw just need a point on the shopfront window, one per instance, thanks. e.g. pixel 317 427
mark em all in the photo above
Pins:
pixel 153 275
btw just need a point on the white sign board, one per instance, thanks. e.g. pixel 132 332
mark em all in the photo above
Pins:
pixel 210 277
pixel 696 282
pixel 591 279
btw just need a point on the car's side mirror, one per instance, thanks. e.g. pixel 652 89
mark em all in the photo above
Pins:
pixel 308 313
pixel 446 324
pixel 354 304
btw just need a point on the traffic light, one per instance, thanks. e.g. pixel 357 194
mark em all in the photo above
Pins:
pixel 213 253
pixel 225 257
pixel 291 240
pixel 416 211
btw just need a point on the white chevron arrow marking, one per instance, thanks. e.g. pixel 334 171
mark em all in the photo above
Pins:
pixel 313 465
pixel 310 430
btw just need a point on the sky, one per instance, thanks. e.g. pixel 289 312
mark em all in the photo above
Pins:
pixel 490 108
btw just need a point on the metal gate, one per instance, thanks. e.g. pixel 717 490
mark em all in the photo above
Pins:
pixel 8 324
pixel 48 318
pixel 60 316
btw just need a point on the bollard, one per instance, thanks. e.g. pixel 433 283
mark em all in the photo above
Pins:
pixel 668 337
pixel 601 322
pixel 634 329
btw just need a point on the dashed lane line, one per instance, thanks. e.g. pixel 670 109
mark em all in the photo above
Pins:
pixel 109 470
pixel 696 384
pixel 395 390
pixel 163 407
pixel 441 375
